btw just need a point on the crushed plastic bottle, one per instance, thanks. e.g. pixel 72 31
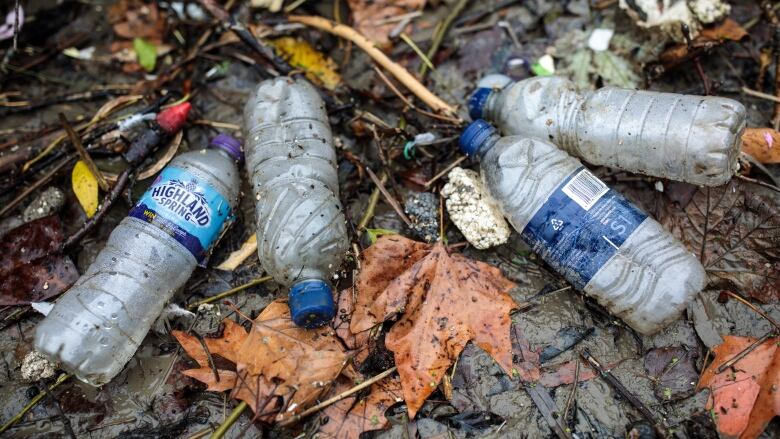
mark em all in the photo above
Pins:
pixel 681 137
pixel 291 163
pixel 96 327
pixel 591 235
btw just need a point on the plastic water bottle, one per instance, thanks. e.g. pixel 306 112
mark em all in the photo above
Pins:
pixel 291 162
pixel 681 137
pixel 96 327
pixel 591 235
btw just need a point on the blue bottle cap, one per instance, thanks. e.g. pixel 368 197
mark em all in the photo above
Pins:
pixel 311 303
pixel 472 138
pixel 477 102
pixel 230 145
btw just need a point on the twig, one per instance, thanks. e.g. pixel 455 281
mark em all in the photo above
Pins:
pixel 573 393
pixel 758 94
pixel 43 180
pixel 758 310
pixel 76 141
pixel 389 198
pixel 42 387
pixel 411 105
pixel 758 182
pixel 108 201
pixel 237 257
pixel 409 42
pixel 744 352
pixel 548 409
pixel 442 32
pixel 234 415
pixel 400 73
pixel 16 28
pixel 339 397
pixel 372 201
pixel 229 292
pixel 33 402
pixel 625 393
pixel 444 171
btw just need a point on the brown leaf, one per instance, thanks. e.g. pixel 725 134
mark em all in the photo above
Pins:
pixel 744 397
pixel 140 21
pixel 735 230
pixel 370 17
pixel 358 343
pixel 279 366
pixel 762 143
pixel 31 267
pixel 672 370
pixel 728 30
pixel 349 417
pixel 564 374
pixel 447 300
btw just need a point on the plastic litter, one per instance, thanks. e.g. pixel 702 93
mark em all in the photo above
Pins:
pixel 695 139
pixel 596 239
pixel 96 327
pixel 291 163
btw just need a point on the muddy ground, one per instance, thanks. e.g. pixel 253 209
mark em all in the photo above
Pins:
pixel 150 398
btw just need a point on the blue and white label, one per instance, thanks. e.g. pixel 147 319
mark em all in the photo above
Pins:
pixel 189 210
pixel 581 226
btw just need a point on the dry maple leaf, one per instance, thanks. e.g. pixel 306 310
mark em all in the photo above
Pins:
pixel 735 231
pixel 350 417
pixel 744 397
pixel 447 300
pixel 280 367
pixel 373 19
pixel 728 30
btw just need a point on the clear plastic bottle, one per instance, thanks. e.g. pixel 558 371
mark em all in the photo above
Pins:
pixel 595 238
pixel 291 163
pixel 96 327
pixel 681 137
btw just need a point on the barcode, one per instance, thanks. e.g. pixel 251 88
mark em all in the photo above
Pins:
pixel 585 189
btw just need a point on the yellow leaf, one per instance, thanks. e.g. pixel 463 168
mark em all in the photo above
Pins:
pixel 319 68
pixel 85 186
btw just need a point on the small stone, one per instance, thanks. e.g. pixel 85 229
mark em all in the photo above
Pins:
pixel 422 208
pixel 37 367
pixel 46 203
pixel 473 211
pixel 709 11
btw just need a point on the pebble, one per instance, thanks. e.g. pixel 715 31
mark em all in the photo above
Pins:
pixel 46 203
pixel 37 367
pixel 422 208
pixel 473 211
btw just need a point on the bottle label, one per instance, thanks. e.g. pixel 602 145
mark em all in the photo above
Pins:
pixel 581 226
pixel 189 210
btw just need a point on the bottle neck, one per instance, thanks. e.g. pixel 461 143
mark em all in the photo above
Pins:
pixel 488 110
pixel 487 145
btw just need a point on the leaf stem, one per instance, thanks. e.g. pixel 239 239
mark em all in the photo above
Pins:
pixel 234 415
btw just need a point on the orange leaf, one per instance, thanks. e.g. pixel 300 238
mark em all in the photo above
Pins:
pixel 728 30
pixel 762 143
pixel 279 366
pixel 447 300
pixel 349 418
pixel 744 397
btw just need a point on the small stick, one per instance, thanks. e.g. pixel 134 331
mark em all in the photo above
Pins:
pixel 548 409
pixel 417 50
pixel 372 201
pixel 108 201
pixel 76 140
pixel 225 426
pixel 573 393
pixel 42 387
pixel 400 73
pixel 409 104
pixel 229 292
pixel 445 170
pixel 758 182
pixel 744 352
pixel 621 389
pixel 758 310
pixel 758 94
pixel 389 198
pixel 442 32
pixel 339 397
pixel 33 402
